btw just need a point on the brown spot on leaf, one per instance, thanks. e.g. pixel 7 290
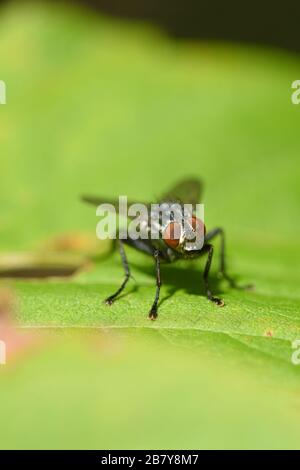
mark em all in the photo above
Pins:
pixel 78 242
pixel 268 333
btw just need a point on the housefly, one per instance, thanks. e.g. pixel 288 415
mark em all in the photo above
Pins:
pixel 173 242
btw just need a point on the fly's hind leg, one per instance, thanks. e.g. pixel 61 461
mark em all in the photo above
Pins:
pixel 215 300
pixel 113 297
pixel 223 270
pixel 153 311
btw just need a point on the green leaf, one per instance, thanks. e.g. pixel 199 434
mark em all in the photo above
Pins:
pixel 108 107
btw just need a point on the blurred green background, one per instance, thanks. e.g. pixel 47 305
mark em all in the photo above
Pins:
pixel 104 106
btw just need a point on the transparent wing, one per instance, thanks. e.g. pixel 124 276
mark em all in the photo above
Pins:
pixel 97 201
pixel 187 191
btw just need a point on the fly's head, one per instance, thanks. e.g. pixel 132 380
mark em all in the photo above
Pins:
pixel 185 237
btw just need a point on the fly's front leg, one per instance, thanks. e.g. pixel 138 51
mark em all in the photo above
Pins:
pixel 113 297
pixel 153 311
pixel 223 270
pixel 209 295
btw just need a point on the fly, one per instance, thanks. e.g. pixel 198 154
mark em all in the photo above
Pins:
pixel 172 244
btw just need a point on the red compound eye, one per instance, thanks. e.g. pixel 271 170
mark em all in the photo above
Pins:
pixel 172 234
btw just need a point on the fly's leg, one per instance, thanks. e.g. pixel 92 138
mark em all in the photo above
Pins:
pixel 223 270
pixel 209 295
pixel 113 297
pixel 153 311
